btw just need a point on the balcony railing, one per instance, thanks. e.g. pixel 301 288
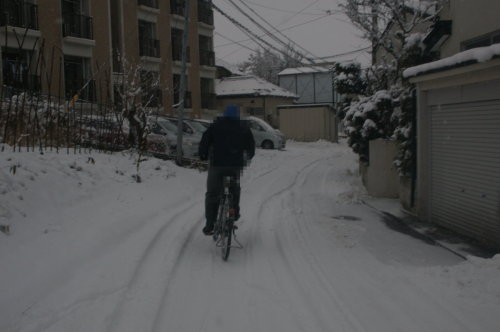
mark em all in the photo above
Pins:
pixel 177 7
pixel 207 58
pixel 148 3
pixel 76 25
pixel 149 47
pixel 205 12
pixel 208 100
pixel 19 14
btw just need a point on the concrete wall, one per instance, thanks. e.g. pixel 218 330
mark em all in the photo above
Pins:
pixel 380 177
pixel 309 124
pixel 470 19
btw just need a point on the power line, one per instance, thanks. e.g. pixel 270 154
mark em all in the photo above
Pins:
pixel 235 42
pixel 270 34
pixel 257 39
pixel 275 29
pixel 342 54
pixel 298 13
pixel 288 28
pixel 281 10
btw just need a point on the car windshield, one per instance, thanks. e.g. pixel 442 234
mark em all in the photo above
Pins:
pixel 198 126
pixel 263 124
pixel 168 125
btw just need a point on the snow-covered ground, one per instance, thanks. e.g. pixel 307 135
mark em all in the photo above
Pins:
pixel 89 249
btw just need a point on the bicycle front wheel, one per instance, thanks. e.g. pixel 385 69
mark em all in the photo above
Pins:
pixel 227 235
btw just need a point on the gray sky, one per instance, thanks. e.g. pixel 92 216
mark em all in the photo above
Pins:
pixel 315 25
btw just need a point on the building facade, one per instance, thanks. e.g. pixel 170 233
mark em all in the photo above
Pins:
pixel 79 47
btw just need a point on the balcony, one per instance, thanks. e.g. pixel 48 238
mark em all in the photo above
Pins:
pixel 207 58
pixel 148 3
pixel 205 12
pixel 149 47
pixel 18 14
pixel 77 25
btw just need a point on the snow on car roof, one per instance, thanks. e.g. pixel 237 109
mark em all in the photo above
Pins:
pixel 249 85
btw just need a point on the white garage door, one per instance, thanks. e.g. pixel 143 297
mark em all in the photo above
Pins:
pixel 465 168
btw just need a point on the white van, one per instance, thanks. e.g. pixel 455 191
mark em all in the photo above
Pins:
pixel 264 135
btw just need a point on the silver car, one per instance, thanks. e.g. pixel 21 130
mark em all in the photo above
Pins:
pixel 264 135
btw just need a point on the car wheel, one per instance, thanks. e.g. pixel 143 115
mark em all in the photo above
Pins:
pixel 267 145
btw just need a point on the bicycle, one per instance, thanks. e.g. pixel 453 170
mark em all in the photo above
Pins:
pixel 224 229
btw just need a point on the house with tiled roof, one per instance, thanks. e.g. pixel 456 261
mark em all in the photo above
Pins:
pixel 254 96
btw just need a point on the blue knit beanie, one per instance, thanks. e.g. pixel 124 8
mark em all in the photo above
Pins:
pixel 232 111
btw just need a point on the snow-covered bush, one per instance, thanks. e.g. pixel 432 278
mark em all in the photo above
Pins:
pixel 367 119
pixel 385 109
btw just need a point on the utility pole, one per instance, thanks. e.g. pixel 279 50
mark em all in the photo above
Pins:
pixel 182 88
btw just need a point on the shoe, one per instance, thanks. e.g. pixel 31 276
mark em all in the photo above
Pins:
pixel 208 230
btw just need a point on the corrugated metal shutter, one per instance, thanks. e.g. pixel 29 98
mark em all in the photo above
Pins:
pixel 465 168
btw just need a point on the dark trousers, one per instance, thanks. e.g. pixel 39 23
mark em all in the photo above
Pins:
pixel 215 188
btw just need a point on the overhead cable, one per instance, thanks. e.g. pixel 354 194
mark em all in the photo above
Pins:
pixel 275 29
pixel 257 39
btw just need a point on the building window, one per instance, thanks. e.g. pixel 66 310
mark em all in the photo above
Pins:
pixel 148 44
pixel 77 78
pixel 187 98
pixel 151 91
pixel 177 7
pixel 207 93
pixel 482 41
pixel 21 14
pixel 205 12
pixel 207 55
pixel 76 22
pixel 177 45
pixel 148 3
pixel 18 72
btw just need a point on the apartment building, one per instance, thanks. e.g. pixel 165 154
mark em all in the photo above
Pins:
pixel 68 47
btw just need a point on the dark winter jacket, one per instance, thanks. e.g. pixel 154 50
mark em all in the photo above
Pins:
pixel 227 142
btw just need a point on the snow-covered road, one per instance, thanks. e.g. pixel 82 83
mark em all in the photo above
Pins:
pixel 90 250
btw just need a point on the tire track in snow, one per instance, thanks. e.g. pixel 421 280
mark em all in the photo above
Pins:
pixel 295 284
pixel 158 264
pixel 46 321
pixel 398 307
pixel 316 306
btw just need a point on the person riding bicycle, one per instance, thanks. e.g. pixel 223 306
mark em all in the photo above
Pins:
pixel 228 144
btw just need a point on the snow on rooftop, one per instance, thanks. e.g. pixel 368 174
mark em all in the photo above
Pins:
pixel 304 70
pixel 480 54
pixel 249 85
pixel 229 66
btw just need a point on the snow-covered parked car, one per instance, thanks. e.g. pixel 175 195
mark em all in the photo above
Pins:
pixel 264 135
pixel 164 131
